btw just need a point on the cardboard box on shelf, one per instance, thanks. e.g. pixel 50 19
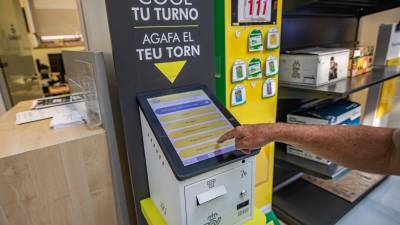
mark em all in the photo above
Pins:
pixel 342 112
pixel 361 60
pixel 360 65
pixel 361 51
pixel 314 66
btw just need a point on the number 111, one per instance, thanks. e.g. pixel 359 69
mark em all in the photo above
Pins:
pixel 256 8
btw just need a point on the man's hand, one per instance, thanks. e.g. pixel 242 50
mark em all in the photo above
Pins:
pixel 248 137
pixel 369 149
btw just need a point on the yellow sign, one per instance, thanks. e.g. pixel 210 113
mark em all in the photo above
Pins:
pixel 393 62
pixel 171 70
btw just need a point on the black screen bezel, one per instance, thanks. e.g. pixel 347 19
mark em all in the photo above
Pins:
pixel 184 172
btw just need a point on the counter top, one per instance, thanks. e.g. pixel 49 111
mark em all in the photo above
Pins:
pixel 18 139
pixel 58 177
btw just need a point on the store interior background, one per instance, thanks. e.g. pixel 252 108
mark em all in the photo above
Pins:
pixel 367 35
pixel 23 24
pixel 32 20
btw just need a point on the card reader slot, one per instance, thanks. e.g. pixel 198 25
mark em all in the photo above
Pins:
pixel 243 204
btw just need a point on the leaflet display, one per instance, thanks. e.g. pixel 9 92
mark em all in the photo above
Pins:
pixel 193 124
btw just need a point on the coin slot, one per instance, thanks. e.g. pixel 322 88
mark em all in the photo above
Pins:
pixel 243 204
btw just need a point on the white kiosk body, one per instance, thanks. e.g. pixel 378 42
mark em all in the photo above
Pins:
pixel 220 195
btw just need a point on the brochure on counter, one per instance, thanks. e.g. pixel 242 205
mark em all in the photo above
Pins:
pixel 63 115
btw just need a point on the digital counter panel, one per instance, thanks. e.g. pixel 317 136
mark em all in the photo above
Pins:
pixel 193 123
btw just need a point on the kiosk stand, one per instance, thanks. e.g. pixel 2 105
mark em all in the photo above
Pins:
pixel 153 217
pixel 193 179
pixel 151 50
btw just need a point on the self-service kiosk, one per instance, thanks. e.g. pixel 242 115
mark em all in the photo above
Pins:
pixel 193 180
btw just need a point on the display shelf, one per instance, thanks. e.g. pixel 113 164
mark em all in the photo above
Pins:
pixel 343 8
pixel 332 171
pixel 350 85
pixel 284 174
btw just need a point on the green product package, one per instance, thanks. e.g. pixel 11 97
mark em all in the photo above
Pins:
pixel 272 66
pixel 239 71
pixel 255 41
pixel 254 69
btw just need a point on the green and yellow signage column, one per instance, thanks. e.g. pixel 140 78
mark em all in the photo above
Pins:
pixel 247 34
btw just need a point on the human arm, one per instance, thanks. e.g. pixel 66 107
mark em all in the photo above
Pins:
pixel 364 148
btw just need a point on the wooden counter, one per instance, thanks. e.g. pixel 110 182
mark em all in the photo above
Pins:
pixel 53 177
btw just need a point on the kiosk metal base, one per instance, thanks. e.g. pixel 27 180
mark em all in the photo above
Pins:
pixel 153 217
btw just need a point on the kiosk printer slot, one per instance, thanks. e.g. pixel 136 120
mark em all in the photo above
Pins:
pixel 192 179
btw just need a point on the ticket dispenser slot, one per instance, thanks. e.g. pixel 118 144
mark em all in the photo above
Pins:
pixel 193 180
pixel 211 194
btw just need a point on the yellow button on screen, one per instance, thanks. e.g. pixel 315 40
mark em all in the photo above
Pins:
pixel 185 114
pixel 197 129
pixel 200 138
pixel 192 121
pixel 190 152
pixel 173 97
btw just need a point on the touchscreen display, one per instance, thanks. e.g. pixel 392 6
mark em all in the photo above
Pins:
pixel 193 124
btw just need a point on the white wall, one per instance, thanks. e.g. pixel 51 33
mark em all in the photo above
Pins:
pixel 54 4
pixel 52 17
pixel 368 34
pixel 11 13
pixel 369 25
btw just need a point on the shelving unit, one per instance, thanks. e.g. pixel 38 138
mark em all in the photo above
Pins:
pixel 343 88
pixel 341 8
pixel 339 89
pixel 332 171
pixel 323 23
pixel 290 168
